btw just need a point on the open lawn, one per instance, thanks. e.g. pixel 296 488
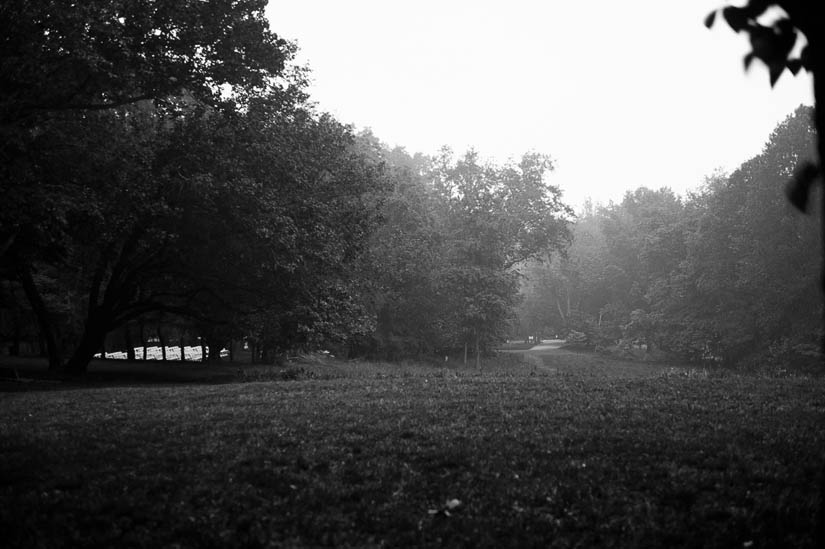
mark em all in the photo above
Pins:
pixel 560 450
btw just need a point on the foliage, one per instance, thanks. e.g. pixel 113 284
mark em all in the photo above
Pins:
pixel 77 80
pixel 163 161
pixel 101 54
pixel 719 275
pixel 455 231
pixel 773 43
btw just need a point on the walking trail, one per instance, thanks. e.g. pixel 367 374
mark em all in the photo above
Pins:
pixel 551 357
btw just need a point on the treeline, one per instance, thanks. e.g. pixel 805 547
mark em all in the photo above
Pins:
pixel 728 273
pixel 164 175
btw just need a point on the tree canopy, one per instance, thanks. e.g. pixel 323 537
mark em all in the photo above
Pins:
pixel 724 274
pixel 162 163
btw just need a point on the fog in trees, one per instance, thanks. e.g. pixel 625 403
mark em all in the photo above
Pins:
pixel 373 321
pixel 206 202
pixel 724 275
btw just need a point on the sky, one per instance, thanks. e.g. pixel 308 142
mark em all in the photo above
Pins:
pixel 619 94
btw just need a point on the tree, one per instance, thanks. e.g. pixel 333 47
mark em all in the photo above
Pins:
pixel 61 63
pixel 725 273
pixel 101 54
pixel 545 298
pixel 619 262
pixel 492 219
pixel 242 219
pixel 231 219
pixel 59 59
pixel 774 44
pixel 405 252
pixel 744 279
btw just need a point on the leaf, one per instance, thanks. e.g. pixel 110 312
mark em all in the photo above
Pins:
pixel 805 58
pixel 748 60
pixel 794 65
pixel 710 19
pixel 764 43
pixel 737 18
pixel 775 71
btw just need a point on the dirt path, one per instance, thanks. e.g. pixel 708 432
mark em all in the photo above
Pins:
pixel 550 357
pixel 551 345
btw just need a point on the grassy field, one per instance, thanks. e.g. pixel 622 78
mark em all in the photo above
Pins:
pixel 560 450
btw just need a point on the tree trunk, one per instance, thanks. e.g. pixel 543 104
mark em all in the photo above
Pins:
pixel 91 341
pixel 182 349
pixel 204 355
pixel 143 340
pixel 15 344
pixel 214 351
pixel 130 343
pixel 162 343
pixel 561 312
pixel 47 331
pixel 818 72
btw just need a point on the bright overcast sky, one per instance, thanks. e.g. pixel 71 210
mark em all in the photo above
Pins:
pixel 619 94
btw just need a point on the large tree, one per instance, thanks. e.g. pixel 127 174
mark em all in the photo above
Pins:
pixel 748 275
pixel 248 219
pixel 493 219
pixel 100 54
pixel 725 273
pixel 773 44
pixel 773 41
pixel 174 167
pixel 62 62
pixel 455 231
pixel 60 59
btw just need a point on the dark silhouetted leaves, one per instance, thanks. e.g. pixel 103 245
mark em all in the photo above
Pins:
pixel 710 19
pixel 775 72
pixel 805 57
pixel 794 65
pixel 737 18
pixel 772 44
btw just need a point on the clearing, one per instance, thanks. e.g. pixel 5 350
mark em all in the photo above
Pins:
pixel 560 449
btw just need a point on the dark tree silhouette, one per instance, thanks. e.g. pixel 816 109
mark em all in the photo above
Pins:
pixel 772 42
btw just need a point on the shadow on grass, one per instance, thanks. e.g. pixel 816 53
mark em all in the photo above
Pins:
pixel 24 374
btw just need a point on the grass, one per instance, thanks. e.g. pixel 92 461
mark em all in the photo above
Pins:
pixel 565 450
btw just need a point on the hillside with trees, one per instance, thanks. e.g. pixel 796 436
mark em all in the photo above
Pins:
pixel 724 274
pixel 174 183
pixel 167 180
pixel 166 177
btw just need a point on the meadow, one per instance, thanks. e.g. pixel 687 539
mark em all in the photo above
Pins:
pixel 556 450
